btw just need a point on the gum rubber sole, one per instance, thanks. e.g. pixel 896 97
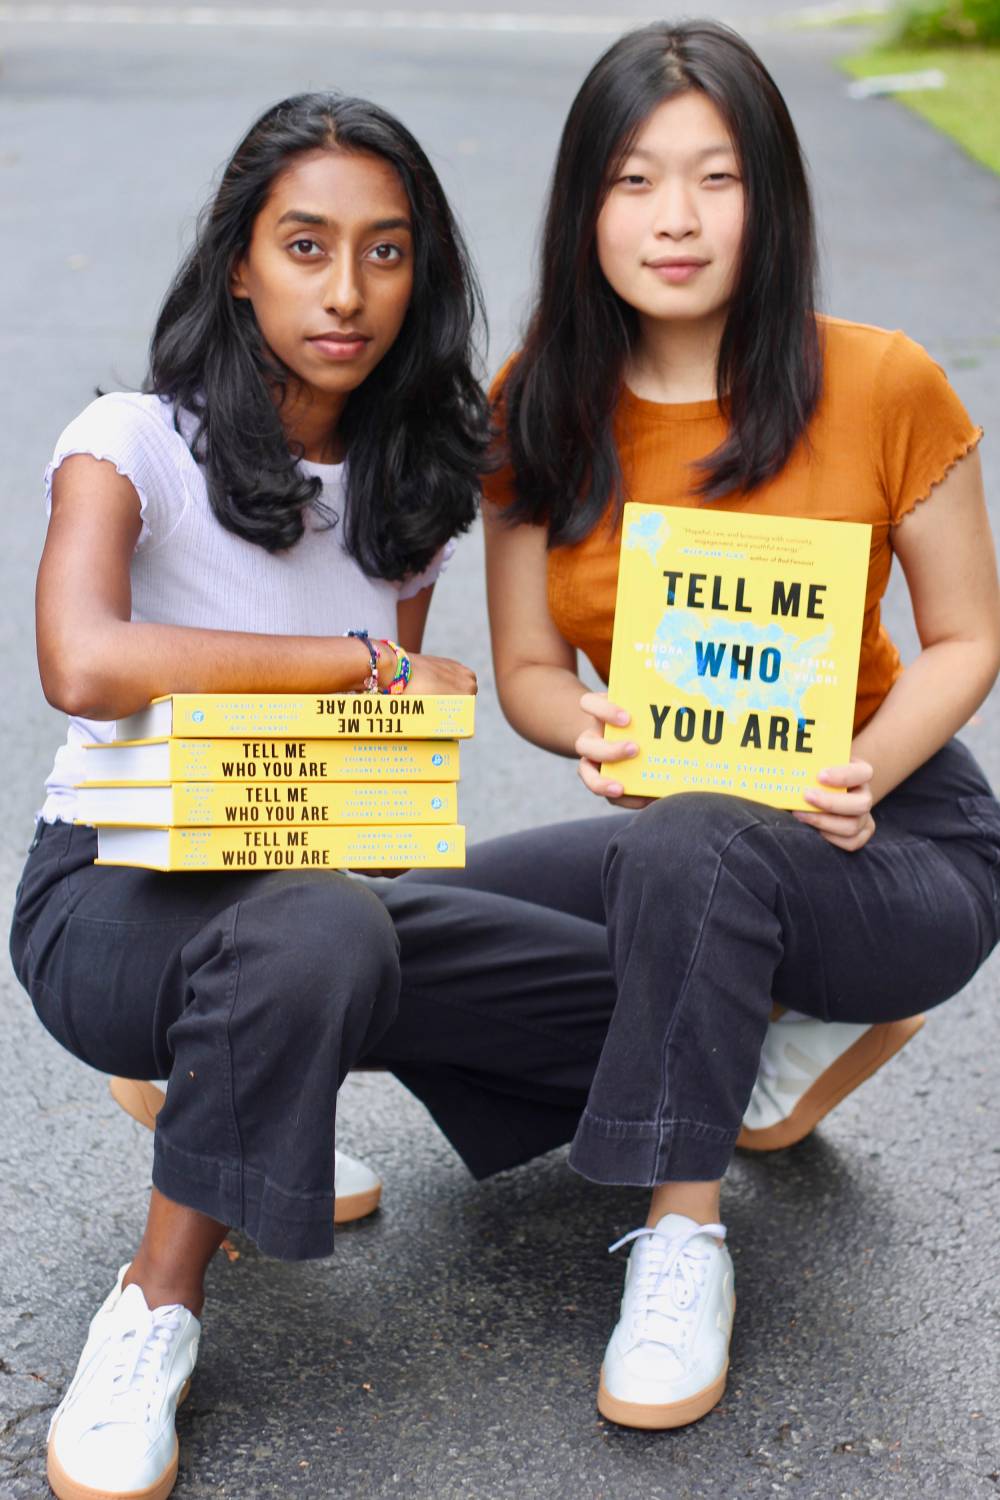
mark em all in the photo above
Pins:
pixel 660 1418
pixel 65 1488
pixel 143 1101
pixel 863 1058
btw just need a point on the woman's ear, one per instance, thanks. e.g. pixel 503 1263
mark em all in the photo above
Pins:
pixel 237 281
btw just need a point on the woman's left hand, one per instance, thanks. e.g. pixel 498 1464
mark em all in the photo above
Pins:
pixel 844 818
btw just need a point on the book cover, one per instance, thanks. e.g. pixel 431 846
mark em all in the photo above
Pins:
pixel 221 805
pixel 735 650
pixel 368 848
pixel 377 716
pixel 271 761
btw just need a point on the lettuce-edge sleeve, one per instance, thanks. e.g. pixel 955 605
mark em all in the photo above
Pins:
pixel 414 582
pixel 120 429
pixel 920 427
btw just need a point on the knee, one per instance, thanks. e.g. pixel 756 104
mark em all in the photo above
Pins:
pixel 334 952
pixel 675 834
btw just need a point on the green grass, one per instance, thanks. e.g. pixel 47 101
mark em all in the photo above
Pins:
pixel 966 108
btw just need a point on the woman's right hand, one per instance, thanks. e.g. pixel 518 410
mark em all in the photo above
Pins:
pixel 593 749
pixel 437 674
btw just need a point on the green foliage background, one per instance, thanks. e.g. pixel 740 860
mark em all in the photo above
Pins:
pixel 929 23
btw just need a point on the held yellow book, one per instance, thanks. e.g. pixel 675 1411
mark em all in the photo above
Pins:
pixel 367 848
pixel 271 761
pixel 735 650
pixel 376 716
pixel 234 804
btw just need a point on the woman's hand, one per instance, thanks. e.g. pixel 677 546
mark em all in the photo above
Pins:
pixel 592 748
pixel 844 818
pixel 436 674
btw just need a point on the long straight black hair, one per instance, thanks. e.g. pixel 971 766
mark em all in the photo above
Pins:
pixel 558 401
pixel 416 430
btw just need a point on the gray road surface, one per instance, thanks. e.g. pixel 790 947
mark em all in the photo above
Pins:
pixel 451 1348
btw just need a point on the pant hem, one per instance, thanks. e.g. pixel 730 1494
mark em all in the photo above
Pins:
pixel 646 1154
pixel 281 1224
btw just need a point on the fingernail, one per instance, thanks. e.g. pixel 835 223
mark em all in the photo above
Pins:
pixel 614 790
pixel 621 717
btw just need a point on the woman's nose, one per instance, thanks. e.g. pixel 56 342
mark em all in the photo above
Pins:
pixel 343 294
pixel 676 212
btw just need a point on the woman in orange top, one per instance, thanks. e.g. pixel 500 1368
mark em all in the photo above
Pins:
pixel 674 356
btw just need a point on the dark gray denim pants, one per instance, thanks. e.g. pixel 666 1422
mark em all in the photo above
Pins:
pixel 716 908
pixel 607 981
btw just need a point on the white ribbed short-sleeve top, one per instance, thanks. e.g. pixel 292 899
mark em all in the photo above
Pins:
pixel 188 570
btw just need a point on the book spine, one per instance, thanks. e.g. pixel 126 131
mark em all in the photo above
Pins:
pixel 281 761
pixel 368 848
pixel 274 761
pixel 334 716
pixel 312 803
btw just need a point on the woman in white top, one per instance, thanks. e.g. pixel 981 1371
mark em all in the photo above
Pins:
pixel 308 444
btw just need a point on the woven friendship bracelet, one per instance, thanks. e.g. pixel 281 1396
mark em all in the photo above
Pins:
pixel 403 669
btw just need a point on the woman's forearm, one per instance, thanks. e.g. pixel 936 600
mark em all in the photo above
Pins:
pixel 543 704
pixel 113 667
pixel 929 702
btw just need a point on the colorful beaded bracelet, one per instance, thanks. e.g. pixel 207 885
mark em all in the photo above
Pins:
pixel 369 683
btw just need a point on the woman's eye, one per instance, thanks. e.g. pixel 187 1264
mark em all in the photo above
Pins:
pixel 720 177
pixel 304 248
pixel 386 254
pixel 633 179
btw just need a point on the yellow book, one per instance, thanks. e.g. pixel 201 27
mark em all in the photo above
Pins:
pixel 373 847
pixel 220 805
pixel 271 761
pixel 376 716
pixel 735 650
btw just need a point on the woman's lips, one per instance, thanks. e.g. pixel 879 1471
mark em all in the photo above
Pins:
pixel 340 346
pixel 676 271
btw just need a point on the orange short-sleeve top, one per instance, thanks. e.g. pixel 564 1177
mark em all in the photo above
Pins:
pixel 888 427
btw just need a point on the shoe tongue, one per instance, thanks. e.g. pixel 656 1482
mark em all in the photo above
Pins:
pixel 673 1225
pixel 132 1307
pixel 132 1304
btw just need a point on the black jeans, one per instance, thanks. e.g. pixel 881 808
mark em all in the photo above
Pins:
pixel 255 995
pixel 715 908
pixel 489 992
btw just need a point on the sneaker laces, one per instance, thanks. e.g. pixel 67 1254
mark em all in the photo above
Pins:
pixel 137 1364
pixel 665 1280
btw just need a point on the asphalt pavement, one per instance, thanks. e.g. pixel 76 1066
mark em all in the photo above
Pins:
pixel 450 1349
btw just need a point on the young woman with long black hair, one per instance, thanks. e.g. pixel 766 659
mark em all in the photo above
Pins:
pixel 309 440
pixel 674 355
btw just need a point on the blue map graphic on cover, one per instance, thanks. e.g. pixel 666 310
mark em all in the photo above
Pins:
pixel 677 659
pixel 648 533
pixel 710 672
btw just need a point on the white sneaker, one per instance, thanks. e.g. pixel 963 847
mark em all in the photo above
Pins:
pixel 666 1361
pixel 358 1189
pixel 113 1431
pixel 807 1067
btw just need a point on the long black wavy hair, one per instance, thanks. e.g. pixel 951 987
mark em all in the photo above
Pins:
pixel 558 402
pixel 416 430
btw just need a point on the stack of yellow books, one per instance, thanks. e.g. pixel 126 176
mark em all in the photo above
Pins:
pixel 218 781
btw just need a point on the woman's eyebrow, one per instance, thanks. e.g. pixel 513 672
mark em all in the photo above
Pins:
pixel 302 216
pixel 720 149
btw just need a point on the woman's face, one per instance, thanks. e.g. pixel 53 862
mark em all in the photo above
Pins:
pixel 670 230
pixel 329 269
